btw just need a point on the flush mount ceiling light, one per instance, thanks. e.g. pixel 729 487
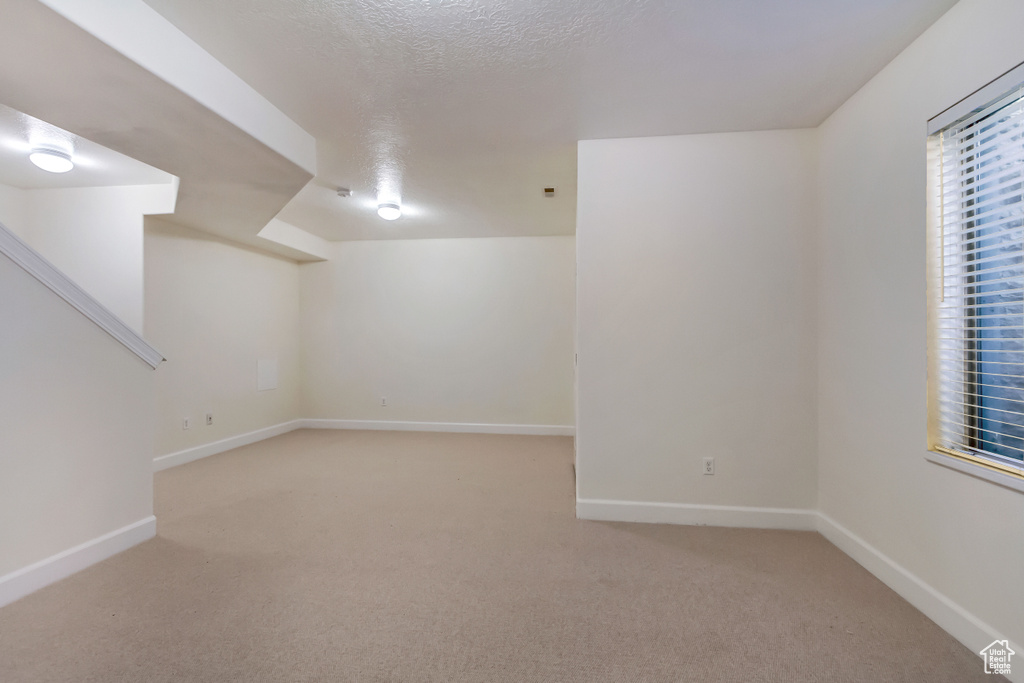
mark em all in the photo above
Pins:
pixel 52 160
pixel 389 211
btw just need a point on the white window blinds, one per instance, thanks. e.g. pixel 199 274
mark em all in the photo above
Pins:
pixel 977 308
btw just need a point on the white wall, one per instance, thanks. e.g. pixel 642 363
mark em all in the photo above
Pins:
pixel 92 234
pixel 962 536
pixel 76 416
pixel 14 210
pixel 214 309
pixel 448 330
pixel 696 330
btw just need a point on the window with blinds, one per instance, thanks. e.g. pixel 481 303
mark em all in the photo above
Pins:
pixel 977 308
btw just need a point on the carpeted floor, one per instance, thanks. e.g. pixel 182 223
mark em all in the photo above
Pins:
pixel 376 556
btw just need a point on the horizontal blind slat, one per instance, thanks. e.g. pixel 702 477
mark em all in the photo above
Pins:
pixel 955 417
pixel 980 434
pixel 958 358
pixel 966 406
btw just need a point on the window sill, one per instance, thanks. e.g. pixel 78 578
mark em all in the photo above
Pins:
pixel 1006 479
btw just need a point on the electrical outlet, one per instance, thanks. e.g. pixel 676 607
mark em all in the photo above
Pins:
pixel 186 423
pixel 383 402
pixel 209 419
pixel 709 465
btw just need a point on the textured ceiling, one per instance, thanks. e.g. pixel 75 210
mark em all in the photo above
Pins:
pixel 466 109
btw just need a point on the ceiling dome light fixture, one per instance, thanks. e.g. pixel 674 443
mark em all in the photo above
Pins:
pixel 52 160
pixel 389 211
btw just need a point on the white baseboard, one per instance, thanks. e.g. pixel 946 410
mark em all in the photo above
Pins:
pixel 29 579
pixel 951 617
pixel 471 427
pixel 164 462
pixel 696 515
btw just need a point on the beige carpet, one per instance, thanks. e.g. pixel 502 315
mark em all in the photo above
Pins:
pixel 373 556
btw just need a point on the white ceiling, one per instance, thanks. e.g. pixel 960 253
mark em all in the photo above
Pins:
pixel 95 165
pixel 469 108
pixel 177 113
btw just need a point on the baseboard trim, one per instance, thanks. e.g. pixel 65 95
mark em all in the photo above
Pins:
pixel 164 462
pixel 951 617
pixel 21 582
pixel 974 633
pixel 468 427
pixel 696 515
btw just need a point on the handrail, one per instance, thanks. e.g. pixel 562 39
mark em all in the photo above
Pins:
pixel 25 256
